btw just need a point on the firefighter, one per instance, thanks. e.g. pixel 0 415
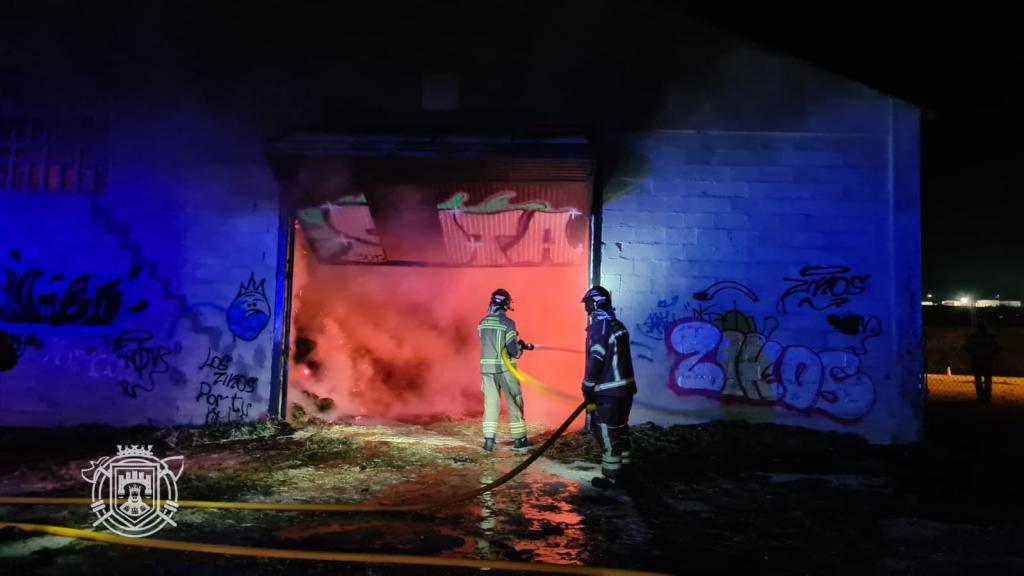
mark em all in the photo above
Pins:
pixel 608 387
pixel 497 333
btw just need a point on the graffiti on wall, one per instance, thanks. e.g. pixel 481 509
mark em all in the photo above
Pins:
pixel 249 312
pixel 342 231
pixel 667 312
pixel 121 231
pixel 708 294
pixel 22 342
pixel 861 327
pixel 90 361
pixel 35 297
pixel 659 319
pixel 82 317
pixel 823 287
pixel 226 394
pixel 132 359
pixel 733 364
pixel 730 356
pixel 143 358
pixel 497 232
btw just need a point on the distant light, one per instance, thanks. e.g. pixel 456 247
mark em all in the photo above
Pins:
pixel 929 296
pixel 964 299
pixel 305 371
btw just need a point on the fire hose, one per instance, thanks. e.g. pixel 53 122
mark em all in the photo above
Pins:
pixel 309 507
pixel 289 554
pixel 326 507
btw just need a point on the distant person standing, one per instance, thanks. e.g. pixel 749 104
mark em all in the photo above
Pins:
pixel 982 347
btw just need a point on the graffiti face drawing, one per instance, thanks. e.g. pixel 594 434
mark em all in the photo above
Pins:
pixel 249 313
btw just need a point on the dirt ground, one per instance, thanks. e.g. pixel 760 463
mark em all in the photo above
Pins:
pixel 716 498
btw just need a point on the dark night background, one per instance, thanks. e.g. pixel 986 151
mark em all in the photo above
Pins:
pixel 960 68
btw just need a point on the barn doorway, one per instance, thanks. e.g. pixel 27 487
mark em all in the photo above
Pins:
pixel 398 244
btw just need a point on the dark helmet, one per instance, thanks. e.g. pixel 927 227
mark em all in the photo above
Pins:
pixel 500 298
pixel 597 298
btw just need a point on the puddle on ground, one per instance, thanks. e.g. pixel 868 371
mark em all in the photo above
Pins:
pixel 546 514
pixel 532 517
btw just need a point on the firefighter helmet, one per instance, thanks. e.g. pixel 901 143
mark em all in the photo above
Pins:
pixel 500 298
pixel 597 298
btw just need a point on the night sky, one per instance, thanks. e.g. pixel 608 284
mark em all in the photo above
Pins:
pixel 963 69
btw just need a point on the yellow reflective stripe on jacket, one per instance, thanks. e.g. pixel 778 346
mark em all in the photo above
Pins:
pixel 613 384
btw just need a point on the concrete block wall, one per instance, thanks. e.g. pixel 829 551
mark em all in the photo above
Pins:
pixel 188 227
pixel 771 182
pixel 757 272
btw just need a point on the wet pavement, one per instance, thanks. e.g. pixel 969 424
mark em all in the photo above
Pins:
pixel 539 516
pixel 809 504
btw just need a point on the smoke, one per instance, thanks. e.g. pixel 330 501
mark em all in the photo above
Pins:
pixel 401 342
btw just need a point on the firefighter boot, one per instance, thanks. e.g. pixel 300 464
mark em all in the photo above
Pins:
pixel 489 444
pixel 521 443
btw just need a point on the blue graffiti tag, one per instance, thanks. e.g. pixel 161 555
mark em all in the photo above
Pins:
pixel 656 323
pixel 667 304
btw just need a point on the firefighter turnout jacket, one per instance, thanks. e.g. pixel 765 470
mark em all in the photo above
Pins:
pixel 609 365
pixel 497 331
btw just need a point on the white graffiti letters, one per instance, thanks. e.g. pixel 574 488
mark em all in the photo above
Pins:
pixel 730 364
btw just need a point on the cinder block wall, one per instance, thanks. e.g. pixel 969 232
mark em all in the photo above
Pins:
pixel 151 301
pixel 742 191
pixel 772 276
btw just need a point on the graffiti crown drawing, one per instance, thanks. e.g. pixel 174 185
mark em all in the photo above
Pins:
pixel 249 313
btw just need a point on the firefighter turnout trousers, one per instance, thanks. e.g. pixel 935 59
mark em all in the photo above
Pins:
pixel 611 427
pixel 494 386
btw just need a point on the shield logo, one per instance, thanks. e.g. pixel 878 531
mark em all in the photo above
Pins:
pixel 134 493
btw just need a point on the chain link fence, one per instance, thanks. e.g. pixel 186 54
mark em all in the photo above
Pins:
pixel 959 387
pixel 947 330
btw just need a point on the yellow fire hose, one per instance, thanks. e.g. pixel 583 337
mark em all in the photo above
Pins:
pixel 282 553
pixel 533 382
pixel 560 395
pixel 311 507
pixel 303 507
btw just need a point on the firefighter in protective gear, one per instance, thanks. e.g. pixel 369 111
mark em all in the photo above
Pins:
pixel 608 386
pixel 497 333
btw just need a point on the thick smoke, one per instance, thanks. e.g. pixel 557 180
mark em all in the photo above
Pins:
pixel 401 342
